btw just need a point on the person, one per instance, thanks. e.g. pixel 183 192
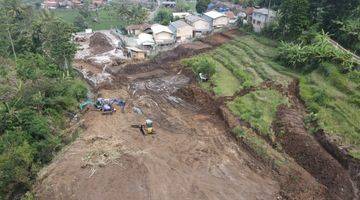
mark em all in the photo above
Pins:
pixel 122 105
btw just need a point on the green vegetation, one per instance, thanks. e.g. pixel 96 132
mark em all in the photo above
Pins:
pixel 201 5
pixel 335 99
pixel 201 64
pixel 38 91
pixel 116 15
pixel 298 17
pixel 311 55
pixel 225 83
pixel 164 16
pixel 329 92
pixel 258 108
pixel 294 18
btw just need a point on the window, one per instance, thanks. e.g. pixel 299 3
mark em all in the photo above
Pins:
pixel 253 21
pixel 258 22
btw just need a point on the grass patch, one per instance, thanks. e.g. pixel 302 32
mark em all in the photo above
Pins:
pixel 258 108
pixel 332 96
pixel 226 84
pixel 105 20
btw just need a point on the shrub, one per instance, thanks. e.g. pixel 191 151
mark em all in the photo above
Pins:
pixel 310 56
pixel 201 64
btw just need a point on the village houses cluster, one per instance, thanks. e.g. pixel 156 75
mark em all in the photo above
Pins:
pixel 142 38
pixel 54 4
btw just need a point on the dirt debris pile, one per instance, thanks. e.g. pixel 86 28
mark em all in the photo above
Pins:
pixel 100 43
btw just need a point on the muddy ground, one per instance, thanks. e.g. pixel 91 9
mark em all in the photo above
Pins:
pixel 193 154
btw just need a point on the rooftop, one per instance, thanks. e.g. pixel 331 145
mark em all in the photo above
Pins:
pixel 179 24
pixel 265 11
pixel 193 18
pixel 158 28
pixel 214 14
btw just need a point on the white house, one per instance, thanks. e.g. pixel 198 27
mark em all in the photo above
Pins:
pixel 216 19
pixel 200 24
pixel 162 34
pixel 182 31
pixel 261 17
pixel 180 15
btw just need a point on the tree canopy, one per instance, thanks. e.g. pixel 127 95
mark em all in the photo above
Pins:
pixel 164 16
pixel 38 88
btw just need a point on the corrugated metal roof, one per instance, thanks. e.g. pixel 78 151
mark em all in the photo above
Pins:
pixel 193 18
pixel 158 28
pixel 179 24
pixel 214 14
pixel 265 11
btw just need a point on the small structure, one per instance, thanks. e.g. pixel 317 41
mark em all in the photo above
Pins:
pixel 162 34
pixel 50 4
pixel 216 19
pixel 182 31
pixel 200 25
pixel 135 30
pixel 180 15
pixel 168 4
pixel 261 17
pixel 135 53
pixel 146 41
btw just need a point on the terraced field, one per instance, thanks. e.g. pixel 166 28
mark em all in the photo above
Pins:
pixel 332 96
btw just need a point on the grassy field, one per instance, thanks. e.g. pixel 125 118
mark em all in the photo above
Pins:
pixel 105 21
pixel 258 108
pixel 334 97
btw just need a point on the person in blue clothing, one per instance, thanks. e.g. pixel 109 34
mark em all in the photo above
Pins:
pixel 122 105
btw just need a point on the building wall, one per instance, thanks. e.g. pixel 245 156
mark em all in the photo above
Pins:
pixel 259 21
pixel 163 36
pixel 220 21
pixel 201 25
pixel 184 33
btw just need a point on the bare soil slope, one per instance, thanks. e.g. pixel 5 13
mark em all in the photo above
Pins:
pixel 190 157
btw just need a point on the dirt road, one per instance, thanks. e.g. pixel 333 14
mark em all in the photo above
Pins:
pixel 191 156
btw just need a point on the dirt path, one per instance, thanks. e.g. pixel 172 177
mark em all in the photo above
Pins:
pixel 190 157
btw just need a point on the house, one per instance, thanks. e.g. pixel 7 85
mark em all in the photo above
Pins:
pixel 182 31
pixel 180 15
pixel 216 19
pixel 231 16
pixel 135 53
pixel 200 25
pixel 137 29
pixel 261 17
pixel 50 4
pixel 162 34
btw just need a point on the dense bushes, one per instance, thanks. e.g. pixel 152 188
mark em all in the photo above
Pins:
pixel 310 56
pixel 37 91
pixel 31 120
pixel 201 64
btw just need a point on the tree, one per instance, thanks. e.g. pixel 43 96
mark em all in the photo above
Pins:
pixel 127 12
pixel 336 10
pixel 164 16
pixel 201 5
pixel 182 6
pixel 80 23
pixel 294 18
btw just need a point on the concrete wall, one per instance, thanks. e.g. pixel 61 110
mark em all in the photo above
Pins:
pixel 184 33
pixel 201 25
pixel 163 37
pixel 220 21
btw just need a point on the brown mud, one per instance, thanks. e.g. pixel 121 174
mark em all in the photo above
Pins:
pixel 192 155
